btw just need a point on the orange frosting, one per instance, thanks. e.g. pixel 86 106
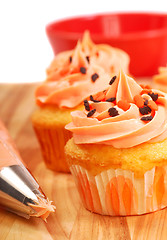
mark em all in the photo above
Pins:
pixel 74 75
pixel 73 89
pixel 122 127
pixel 43 208
pixel 86 54
pixel 161 78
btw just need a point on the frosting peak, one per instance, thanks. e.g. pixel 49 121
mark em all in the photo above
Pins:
pixel 123 116
pixel 123 88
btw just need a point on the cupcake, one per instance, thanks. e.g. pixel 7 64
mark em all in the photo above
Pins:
pixel 118 153
pixel 72 77
pixel 160 80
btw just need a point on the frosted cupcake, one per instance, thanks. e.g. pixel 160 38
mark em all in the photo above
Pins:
pixel 72 77
pixel 160 80
pixel 118 153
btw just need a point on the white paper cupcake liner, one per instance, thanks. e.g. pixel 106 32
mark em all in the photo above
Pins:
pixel 118 192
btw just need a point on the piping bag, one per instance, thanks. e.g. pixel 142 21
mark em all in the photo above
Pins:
pixel 19 191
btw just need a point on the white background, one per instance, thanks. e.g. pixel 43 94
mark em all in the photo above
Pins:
pixel 24 49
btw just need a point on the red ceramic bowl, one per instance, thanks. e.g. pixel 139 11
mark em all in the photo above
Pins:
pixel 142 35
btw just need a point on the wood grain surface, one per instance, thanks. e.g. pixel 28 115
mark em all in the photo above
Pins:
pixel 71 220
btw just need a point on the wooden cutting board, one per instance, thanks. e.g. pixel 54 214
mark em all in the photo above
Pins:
pixel 71 220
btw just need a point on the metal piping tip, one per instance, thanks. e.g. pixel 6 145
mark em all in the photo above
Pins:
pixel 19 191
pixel 21 194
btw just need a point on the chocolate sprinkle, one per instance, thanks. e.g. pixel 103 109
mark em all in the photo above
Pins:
pixel 94 77
pixel 88 59
pixel 70 59
pixel 145 110
pixel 113 112
pixel 83 70
pixel 86 104
pixel 112 99
pixel 146 118
pixel 146 102
pixel 112 80
pixel 91 112
pixel 154 96
pixel 93 100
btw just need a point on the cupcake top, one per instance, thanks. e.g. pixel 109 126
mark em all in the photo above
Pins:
pixel 161 78
pixel 75 74
pixel 124 115
pixel 84 55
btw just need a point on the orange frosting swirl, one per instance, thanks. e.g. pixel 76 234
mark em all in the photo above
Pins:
pixel 161 78
pixel 109 123
pixel 87 54
pixel 74 75
pixel 73 89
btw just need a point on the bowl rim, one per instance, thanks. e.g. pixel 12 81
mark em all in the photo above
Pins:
pixel 127 36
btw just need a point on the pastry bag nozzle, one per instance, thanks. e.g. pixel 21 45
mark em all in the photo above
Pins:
pixel 19 191
pixel 21 194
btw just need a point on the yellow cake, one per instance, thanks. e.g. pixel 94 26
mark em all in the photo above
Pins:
pixel 118 153
pixel 97 158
